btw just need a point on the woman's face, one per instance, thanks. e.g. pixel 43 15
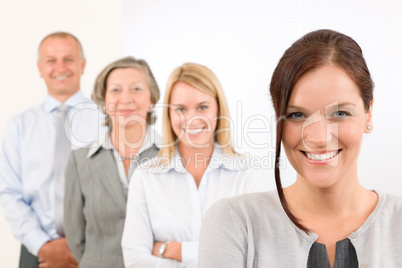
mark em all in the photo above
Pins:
pixel 324 127
pixel 193 116
pixel 128 98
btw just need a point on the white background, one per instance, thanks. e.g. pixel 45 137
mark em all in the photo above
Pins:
pixel 240 42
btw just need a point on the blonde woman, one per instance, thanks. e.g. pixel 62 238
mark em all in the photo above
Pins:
pixel 196 167
pixel 97 178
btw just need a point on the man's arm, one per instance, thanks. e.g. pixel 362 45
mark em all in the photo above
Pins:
pixel 24 222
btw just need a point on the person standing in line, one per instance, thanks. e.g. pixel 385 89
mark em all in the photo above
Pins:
pixel 35 150
pixel 97 178
pixel 197 166
pixel 322 93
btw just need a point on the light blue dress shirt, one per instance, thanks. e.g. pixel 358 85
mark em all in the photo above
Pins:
pixel 27 191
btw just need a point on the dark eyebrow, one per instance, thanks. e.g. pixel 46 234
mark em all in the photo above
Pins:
pixel 297 108
pixel 346 104
pixel 338 105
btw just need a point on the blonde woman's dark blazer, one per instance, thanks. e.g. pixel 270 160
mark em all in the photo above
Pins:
pixel 95 207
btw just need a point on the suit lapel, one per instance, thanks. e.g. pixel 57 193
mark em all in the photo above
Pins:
pixel 105 166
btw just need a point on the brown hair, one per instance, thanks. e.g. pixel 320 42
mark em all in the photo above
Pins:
pixel 99 91
pixel 61 35
pixel 313 50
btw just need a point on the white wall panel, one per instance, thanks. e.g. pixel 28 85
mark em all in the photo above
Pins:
pixel 242 41
pixel 23 23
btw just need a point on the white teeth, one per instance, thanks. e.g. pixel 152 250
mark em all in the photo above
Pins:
pixel 61 77
pixel 321 157
pixel 194 131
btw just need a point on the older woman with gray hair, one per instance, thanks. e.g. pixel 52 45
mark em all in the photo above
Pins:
pixel 97 177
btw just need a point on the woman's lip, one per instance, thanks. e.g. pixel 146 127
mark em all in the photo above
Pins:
pixel 194 131
pixel 321 158
pixel 125 111
pixel 321 152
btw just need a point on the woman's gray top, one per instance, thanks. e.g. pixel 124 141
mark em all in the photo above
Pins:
pixel 252 230
pixel 95 205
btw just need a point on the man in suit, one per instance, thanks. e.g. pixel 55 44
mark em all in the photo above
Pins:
pixel 32 161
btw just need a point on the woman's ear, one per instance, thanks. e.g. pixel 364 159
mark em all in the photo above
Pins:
pixel 151 106
pixel 369 123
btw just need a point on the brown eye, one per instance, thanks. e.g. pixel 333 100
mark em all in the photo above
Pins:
pixel 113 89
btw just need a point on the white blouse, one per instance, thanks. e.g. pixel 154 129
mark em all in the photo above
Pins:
pixel 164 204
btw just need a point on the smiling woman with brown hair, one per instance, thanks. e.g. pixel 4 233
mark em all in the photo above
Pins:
pixel 322 93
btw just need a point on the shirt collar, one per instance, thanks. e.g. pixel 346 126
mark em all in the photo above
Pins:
pixel 219 159
pixel 51 103
pixel 151 138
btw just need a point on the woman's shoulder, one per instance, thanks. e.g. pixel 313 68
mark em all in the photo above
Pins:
pixel 394 199
pixel 153 165
pixel 387 214
pixel 269 199
pixel 392 205
pixel 249 206
pixel 81 153
pixel 87 155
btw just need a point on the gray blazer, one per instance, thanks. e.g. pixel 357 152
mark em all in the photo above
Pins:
pixel 95 207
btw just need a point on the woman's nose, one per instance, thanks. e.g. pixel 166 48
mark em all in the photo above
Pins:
pixel 195 120
pixel 316 132
pixel 126 97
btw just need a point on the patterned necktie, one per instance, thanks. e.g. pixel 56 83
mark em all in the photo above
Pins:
pixel 62 152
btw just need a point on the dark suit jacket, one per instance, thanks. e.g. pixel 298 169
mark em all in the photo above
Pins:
pixel 95 207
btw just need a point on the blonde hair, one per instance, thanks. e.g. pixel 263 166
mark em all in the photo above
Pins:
pixel 202 78
pixel 99 91
pixel 61 35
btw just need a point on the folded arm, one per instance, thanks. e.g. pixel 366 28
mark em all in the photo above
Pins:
pixel 138 240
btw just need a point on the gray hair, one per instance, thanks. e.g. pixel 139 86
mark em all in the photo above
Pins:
pixel 99 91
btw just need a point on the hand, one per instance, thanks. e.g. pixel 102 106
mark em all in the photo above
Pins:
pixel 56 254
pixel 44 264
pixel 172 251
